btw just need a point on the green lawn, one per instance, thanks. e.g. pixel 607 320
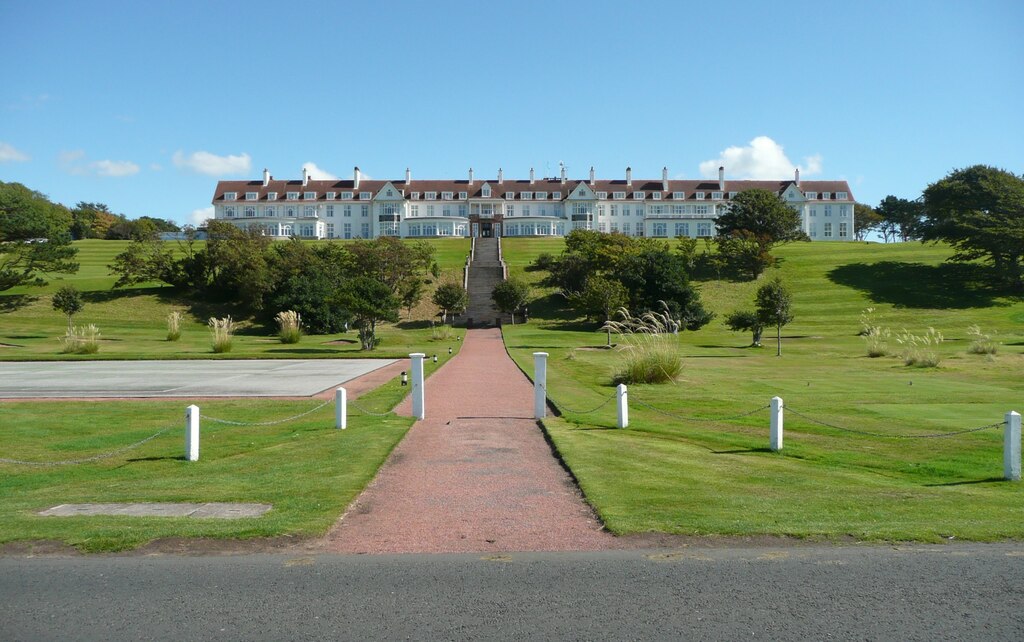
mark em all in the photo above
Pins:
pixel 670 473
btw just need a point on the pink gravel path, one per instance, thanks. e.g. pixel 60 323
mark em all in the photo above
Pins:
pixel 475 476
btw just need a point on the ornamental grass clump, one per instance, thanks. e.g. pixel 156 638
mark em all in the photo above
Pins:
pixel 981 343
pixel 920 350
pixel 650 348
pixel 81 340
pixel 222 330
pixel 174 326
pixel 289 326
pixel 875 336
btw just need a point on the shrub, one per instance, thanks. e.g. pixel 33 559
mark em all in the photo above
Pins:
pixel 876 340
pixel 174 326
pixel 440 333
pixel 81 340
pixel 651 351
pixel 981 343
pixel 222 330
pixel 920 351
pixel 544 261
pixel 289 325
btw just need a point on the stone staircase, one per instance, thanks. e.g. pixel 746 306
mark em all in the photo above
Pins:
pixel 485 271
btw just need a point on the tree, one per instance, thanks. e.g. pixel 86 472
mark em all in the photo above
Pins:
pixel 746 321
pixel 143 260
pixel 34 237
pixel 68 301
pixel 450 297
pixel 773 302
pixel 654 275
pixel 369 302
pixel 599 300
pixel 979 210
pixel 743 254
pixel 900 217
pixel 510 296
pixel 765 218
pixel 865 219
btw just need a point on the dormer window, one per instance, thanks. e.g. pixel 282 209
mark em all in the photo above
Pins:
pixel 842 196
pixel 331 195
pixel 309 196
pixel 365 196
pixel 540 196
pixel 699 195
pixel 556 196
pixel 463 196
pixel 430 196
pixel 812 196
pixel 292 196
pixel 716 196
pixel 732 195
pixel 678 196
pixel 415 196
pixel 509 196
pixel 346 196
pixel 602 195
pixel 656 196
pixel 252 196
pixel 447 196
pixel 526 196
pixel 826 196
pixel 230 196
pixel 486 191
pixel 271 196
pixel 618 195
pixel 638 196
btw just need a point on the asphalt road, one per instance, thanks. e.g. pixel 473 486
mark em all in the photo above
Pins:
pixel 199 378
pixel 971 592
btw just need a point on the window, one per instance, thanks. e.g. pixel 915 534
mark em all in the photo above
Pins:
pixel 526 210
pixel 826 196
pixel 331 195
pixel 699 195
pixel 639 210
pixel 682 229
pixel 509 196
pixel 414 229
pixel 309 196
pixel 600 210
pixel 447 196
pixel 508 209
pixel 430 196
pixel 292 196
pixel 486 191
pixel 618 195
pixel 414 210
pixel 601 227
pixel 430 210
pixel 269 212
pixel 678 196
pixel 625 210
pixel 346 196
pixel 330 211
pixel 703 210
pixel 556 196
pixel 347 212
pixel 602 195
pixel 615 226
pixel 310 212
pixel 828 230
pixel 462 211
pixel 615 210
pixel 716 196
pixel 330 230
pixel 347 230
pixel 678 209
pixel 526 196
pixel 639 196
pixel 656 196
pixel 415 196
pixel 365 230
pixel 732 195
pixel 365 196
pixel 229 212
pixel 842 196
pixel 271 196
pixel 656 210
pixel 446 210
pixel 659 230
pixel 290 211
pixel 230 196
pixel 251 196
pixel 389 229
pixel 540 196
pixel 842 228
pixel 828 210
pixel 812 196
pixel 844 210
pixel 390 193
pixel 463 196
pixel 626 228
pixel 365 210
pixel 703 229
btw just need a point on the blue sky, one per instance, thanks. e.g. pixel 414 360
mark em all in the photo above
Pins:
pixel 144 105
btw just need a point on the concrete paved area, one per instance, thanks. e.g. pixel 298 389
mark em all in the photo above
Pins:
pixel 223 378
pixel 214 510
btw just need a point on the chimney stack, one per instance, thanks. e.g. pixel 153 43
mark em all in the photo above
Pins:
pixel 664 179
pixel 266 177
pixel 501 176
pixel 531 176
pixel 355 178
pixel 721 178
pixel 470 175
pixel 629 177
pixel 796 177
pixel 563 173
pixel 591 175
pixel 305 176
pixel 408 176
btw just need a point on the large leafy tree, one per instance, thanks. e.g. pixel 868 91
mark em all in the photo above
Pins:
pixel 865 219
pixel 762 217
pixel 979 210
pixel 451 297
pixel 511 296
pixel 369 302
pixel 655 275
pixel 34 237
pixel 901 218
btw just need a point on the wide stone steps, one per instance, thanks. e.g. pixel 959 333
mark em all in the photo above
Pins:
pixel 485 272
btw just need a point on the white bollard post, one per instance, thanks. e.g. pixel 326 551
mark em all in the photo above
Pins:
pixel 540 384
pixel 775 442
pixel 623 406
pixel 1011 447
pixel 192 433
pixel 341 409
pixel 419 410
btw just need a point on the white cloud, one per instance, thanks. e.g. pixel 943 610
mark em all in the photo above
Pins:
pixel 156 167
pixel 317 173
pixel 8 154
pixel 211 164
pixel 199 216
pixel 762 159
pixel 113 168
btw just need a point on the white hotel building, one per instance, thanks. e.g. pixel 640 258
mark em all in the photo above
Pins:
pixel 362 208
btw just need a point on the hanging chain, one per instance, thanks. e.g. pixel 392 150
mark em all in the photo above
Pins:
pixel 699 419
pixel 938 435
pixel 85 460
pixel 266 423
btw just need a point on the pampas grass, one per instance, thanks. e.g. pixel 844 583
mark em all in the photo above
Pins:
pixel 222 329
pixel 920 350
pixel 174 326
pixel 981 343
pixel 650 349
pixel 289 325
pixel 81 340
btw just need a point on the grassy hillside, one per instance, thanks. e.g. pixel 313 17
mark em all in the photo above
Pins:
pixel 132 320
pixel 680 469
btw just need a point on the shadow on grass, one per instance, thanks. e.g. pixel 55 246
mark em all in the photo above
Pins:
pixel 915 285
pixel 306 351
pixel 15 302
pixel 741 451
pixel 415 325
pixel 987 480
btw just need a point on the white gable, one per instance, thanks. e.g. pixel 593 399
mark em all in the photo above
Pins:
pixel 582 191
pixel 792 193
pixel 389 193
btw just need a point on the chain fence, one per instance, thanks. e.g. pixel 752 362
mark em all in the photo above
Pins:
pixel 699 419
pixel 86 460
pixel 936 435
pixel 229 422
pixel 565 408
pixel 370 412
